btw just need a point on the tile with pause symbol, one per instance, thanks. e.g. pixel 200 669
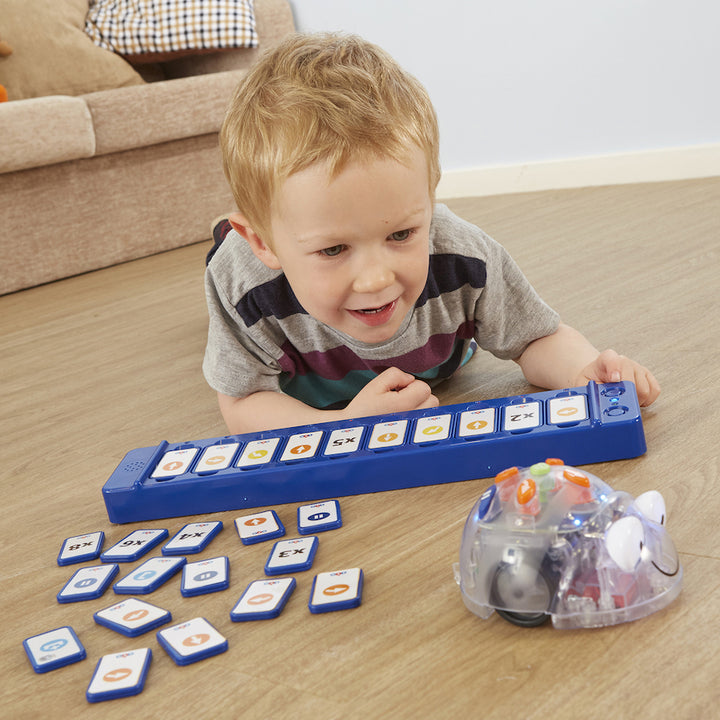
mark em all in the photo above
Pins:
pixel 205 576
pixel 119 675
pixel 318 517
pixel 88 583
pixel 191 641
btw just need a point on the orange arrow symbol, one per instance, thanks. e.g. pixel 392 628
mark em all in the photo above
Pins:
pixel 117 674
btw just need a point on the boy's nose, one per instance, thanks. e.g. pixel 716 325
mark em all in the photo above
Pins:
pixel 373 278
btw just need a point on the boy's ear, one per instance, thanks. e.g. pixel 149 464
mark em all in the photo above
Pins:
pixel 260 249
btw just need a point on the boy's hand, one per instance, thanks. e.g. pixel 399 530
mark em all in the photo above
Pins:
pixel 392 391
pixel 611 367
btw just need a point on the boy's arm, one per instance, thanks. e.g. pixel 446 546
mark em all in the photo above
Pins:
pixel 567 359
pixel 391 391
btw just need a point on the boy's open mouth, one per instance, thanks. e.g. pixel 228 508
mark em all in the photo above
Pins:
pixel 375 316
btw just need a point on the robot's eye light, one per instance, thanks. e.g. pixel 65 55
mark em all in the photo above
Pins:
pixel 624 542
pixel 652 505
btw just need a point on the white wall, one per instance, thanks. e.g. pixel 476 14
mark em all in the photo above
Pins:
pixel 528 83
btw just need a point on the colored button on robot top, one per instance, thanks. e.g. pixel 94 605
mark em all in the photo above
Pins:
pixel 527 498
pixel 526 491
pixel 577 478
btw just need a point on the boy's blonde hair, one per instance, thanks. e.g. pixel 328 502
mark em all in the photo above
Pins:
pixel 321 98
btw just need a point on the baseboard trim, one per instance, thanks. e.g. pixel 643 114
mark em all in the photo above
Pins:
pixel 618 169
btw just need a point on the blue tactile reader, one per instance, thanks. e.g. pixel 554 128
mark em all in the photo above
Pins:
pixel 595 423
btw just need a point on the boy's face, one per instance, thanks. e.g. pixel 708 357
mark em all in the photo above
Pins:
pixel 354 248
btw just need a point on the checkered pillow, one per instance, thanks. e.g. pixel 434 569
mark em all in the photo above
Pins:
pixel 162 29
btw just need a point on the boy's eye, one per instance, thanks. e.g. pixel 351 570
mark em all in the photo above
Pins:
pixel 333 251
pixel 401 235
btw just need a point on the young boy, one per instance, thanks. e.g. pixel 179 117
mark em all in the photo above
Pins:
pixel 339 289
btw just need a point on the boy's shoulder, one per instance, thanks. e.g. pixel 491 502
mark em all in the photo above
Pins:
pixel 232 264
pixel 450 234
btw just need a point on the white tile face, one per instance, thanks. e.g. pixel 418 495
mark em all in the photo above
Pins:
pixel 204 574
pixel 262 597
pixel 571 409
pixel 258 452
pixel 524 416
pixel 133 545
pixel 318 516
pixel 301 446
pixel 194 637
pixel 174 462
pixel 118 672
pixel 477 422
pixel 432 429
pixel 52 647
pixel 216 457
pixel 81 546
pixel 291 555
pixel 87 580
pixel 344 441
pixel 257 525
pixel 192 536
pixel 388 434
pixel 132 614
pixel 339 587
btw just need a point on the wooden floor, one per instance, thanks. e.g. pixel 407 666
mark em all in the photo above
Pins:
pixel 96 365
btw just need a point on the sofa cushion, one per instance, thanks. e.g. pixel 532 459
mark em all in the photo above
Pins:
pixel 43 131
pixel 155 113
pixel 52 55
pixel 160 30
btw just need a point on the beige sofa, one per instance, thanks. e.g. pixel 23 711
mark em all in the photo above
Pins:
pixel 91 180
